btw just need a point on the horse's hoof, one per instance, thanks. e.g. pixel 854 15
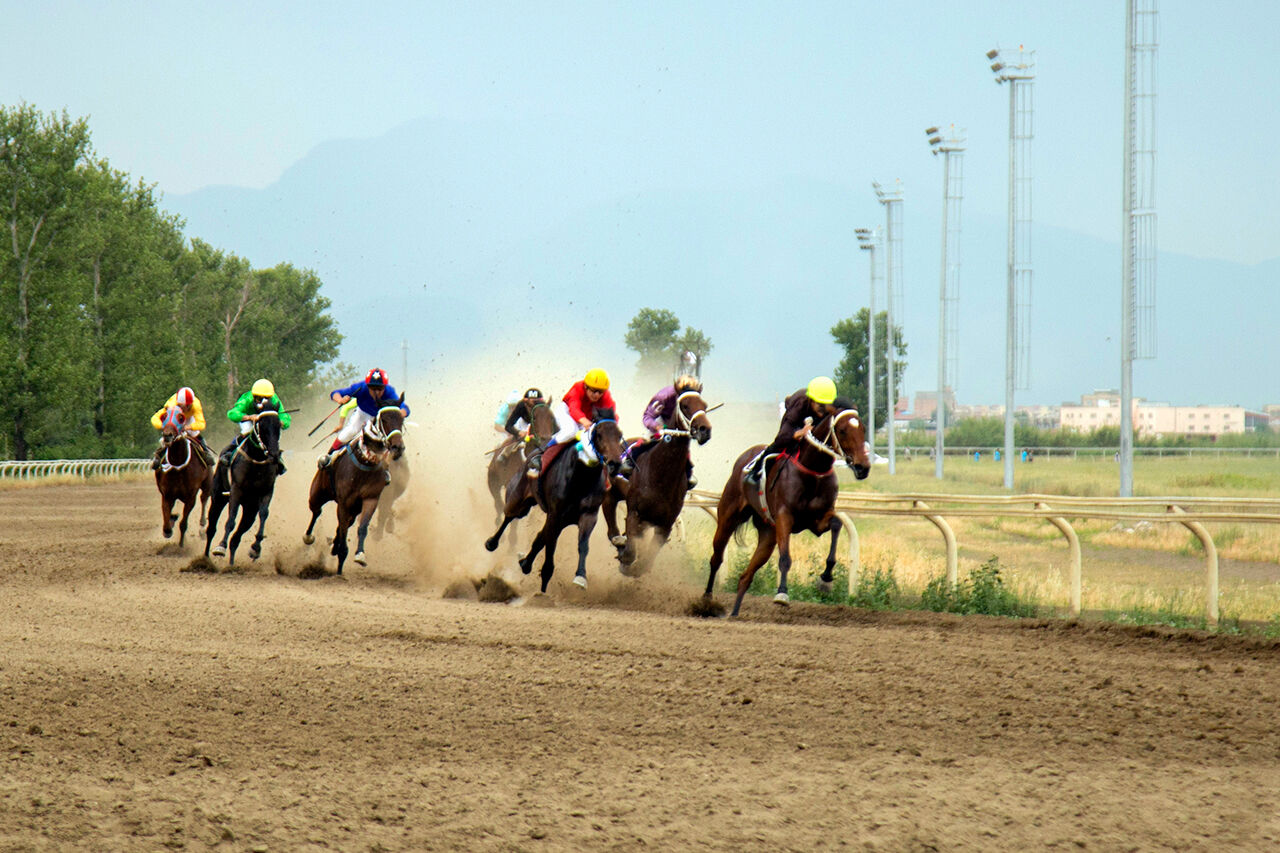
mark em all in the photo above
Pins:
pixel 168 534
pixel 580 581
pixel 308 540
pixel 618 541
pixel 254 553
pixel 219 551
pixel 359 559
pixel 491 544
pixel 782 599
pixel 824 586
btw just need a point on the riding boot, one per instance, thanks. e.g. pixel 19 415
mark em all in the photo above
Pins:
pixel 387 474
pixel 752 474
pixel 280 469
pixel 228 453
pixel 206 452
pixel 324 461
pixel 156 459
pixel 534 466
pixel 693 481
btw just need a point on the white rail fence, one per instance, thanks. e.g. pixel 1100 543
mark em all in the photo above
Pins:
pixel 1189 512
pixel 11 470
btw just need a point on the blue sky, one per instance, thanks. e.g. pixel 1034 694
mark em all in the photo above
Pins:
pixel 193 94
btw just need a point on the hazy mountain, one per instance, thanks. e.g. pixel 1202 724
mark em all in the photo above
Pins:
pixel 468 237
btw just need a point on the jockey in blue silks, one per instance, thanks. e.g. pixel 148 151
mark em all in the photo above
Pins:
pixel 370 394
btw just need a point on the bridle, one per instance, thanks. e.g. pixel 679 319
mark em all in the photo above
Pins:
pixel 591 450
pixel 684 423
pixel 256 438
pixel 167 466
pixel 376 432
pixel 830 445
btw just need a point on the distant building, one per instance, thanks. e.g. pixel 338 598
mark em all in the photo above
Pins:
pixel 927 404
pixel 1156 420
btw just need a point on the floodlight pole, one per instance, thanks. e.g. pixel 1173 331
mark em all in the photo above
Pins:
pixel 952 149
pixel 892 201
pixel 867 240
pixel 1019 75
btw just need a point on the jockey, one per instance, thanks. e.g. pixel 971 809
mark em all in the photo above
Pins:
pixel 815 402
pixel 190 415
pixel 521 417
pixel 504 411
pixel 245 412
pixel 576 411
pixel 660 414
pixel 370 394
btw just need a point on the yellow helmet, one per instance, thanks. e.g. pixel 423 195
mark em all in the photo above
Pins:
pixel 597 379
pixel 821 390
pixel 263 388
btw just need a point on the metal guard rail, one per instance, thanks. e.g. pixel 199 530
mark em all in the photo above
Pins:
pixel 32 470
pixel 1190 512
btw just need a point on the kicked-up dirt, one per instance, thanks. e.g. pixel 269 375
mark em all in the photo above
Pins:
pixel 145 707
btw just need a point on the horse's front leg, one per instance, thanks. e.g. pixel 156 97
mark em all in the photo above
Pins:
pixel 248 512
pixel 166 516
pixel 182 523
pixel 366 513
pixel 339 549
pixel 782 526
pixel 255 550
pixel 610 510
pixel 727 521
pixel 825 581
pixel 627 553
pixel 540 540
pixel 233 507
pixel 586 524
pixel 549 564
pixel 768 537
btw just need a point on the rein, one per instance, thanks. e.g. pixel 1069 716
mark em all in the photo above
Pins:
pixel 169 466
pixel 684 423
pixel 257 441
pixel 830 445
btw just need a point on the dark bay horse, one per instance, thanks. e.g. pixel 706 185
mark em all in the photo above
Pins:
pixel 800 494
pixel 355 479
pixel 183 476
pixel 508 460
pixel 654 494
pixel 247 486
pixel 570 491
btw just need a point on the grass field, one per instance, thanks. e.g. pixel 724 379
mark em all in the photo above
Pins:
pixel 1145 573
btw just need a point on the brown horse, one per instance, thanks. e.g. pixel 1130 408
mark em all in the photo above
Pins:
pixel 799 494
pixel 183 476
pixel 355 479
pixel 508 460
pixel 570 491
pixel 655 492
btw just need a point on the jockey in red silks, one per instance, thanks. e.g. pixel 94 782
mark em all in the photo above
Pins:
pixel 660 414
pixel 185 411
pixel 576 411
pixel 371 394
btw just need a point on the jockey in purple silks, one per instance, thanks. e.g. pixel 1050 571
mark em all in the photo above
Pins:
pixel 660 414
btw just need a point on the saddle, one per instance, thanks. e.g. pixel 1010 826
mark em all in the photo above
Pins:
pixel 756 496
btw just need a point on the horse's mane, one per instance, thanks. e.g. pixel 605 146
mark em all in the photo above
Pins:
pixel 265 403
pixel 842 403
pixel 605 415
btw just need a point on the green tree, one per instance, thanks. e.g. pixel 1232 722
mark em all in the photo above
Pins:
pixel 694 341
pixel 850 375
pixel 652 334
pixel 39 176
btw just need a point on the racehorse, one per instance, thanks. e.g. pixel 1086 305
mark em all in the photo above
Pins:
pixel 508 460
pixel 570 490
pixel 655 492
pixel 799 494
pixel 182 476
pixel 354 480
pixel 248 485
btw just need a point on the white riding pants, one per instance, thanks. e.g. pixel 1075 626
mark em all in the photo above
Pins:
pixel 566 426
pixel 355 422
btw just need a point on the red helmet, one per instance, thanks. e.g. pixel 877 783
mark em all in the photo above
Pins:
pixel 376 378
pixel 185 397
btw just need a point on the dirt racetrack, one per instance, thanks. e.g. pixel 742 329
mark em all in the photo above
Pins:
pixel 142 707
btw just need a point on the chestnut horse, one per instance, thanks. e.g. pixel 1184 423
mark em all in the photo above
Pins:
pixel 655 492
pixel 354 480
pixel 508 460
pixel 570 490
pixel 183 476
pixel 799 494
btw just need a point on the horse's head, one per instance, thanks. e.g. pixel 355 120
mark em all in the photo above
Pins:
pixel 691 415
pixel 172 423
pixel 386 430
pixel 845 426
pixel 605 438
pixel 542 422
pixel 266 426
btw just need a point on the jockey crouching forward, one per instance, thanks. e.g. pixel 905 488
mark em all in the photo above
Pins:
pixel 660 414
pixel 370 394
pixel 245 412
pixel 190 414
pixel 813 402
pixel 576 411
pixel 520 420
